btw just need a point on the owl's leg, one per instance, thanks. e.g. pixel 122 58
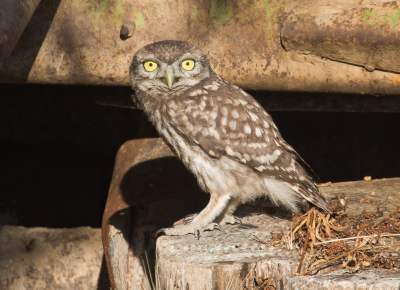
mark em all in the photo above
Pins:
pixel 204 220
pixel 227 216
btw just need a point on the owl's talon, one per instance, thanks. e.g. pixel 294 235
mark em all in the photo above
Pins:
pixel 160 231
pixel 216 226
pixel 239 220
pixel 189 218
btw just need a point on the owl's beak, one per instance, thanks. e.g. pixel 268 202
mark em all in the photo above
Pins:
pixel 170 78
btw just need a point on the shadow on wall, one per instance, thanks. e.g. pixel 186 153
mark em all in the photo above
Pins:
pixel 27 48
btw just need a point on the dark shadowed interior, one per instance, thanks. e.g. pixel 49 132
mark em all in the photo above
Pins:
pixel 57 146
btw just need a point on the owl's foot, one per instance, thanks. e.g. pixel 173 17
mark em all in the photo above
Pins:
pixel 192 228
pixel 227 219
pixel 230 219
pixel 189 218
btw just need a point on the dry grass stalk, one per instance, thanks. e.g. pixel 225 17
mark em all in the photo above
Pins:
pixel 331 237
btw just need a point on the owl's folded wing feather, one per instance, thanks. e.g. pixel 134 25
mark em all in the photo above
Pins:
pixel 242 130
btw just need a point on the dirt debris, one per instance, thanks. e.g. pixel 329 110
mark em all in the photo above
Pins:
pixel 340 240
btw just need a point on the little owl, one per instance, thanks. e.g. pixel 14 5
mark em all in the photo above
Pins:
pixel 220 133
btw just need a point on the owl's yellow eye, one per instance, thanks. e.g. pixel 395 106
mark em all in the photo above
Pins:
pixel 150 65
pixel 188 64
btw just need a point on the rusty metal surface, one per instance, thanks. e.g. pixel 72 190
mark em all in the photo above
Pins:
pixel 14 16
pixel 144 172
pixel 373 42
pixel 148 181
pixel 84 44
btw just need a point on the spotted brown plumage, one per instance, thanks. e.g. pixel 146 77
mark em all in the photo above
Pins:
pixel 220 133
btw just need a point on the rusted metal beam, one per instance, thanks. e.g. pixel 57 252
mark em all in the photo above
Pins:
pixel 14 16
pixel 88 43
pixel 368 37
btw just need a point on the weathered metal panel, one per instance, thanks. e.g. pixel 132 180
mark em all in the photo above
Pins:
pixel 14 16
pixel 85 44
pixel 368 37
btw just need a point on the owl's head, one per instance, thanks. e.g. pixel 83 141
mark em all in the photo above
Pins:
pixel 168 66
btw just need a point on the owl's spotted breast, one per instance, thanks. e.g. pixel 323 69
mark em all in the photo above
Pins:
pixel 221 134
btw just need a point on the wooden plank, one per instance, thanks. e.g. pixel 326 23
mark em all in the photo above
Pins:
pixel 232 257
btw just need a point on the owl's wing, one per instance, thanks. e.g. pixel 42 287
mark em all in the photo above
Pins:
pixel 238 127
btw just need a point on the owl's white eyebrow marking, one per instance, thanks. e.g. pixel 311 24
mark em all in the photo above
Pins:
pixel 211 87
pixel 247 129
pixel 224 111
pixel 195 93
pixel 258 132
pixel 232 125
pixel 235 114
pixel 224 121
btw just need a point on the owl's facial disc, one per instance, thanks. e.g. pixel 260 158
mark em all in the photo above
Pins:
pixel 153 73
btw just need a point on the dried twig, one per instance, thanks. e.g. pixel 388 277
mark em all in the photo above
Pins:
pixel 352 238
pixel 346 254
pixel 309 221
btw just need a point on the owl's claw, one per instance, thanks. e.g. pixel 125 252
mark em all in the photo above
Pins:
pixel 230 219
pixel 215 225
pixel 160 231
pixel 189 218
pixel 192 228
pixel 239 220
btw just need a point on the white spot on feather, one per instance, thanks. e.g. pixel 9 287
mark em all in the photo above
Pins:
pixel 235 114
pixel 247 129
pixel 195 93
pixel 229 151
pixel 211 87
pixel 232 125
pixel 224 121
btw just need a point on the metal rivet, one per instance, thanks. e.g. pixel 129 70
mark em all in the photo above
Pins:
pixel 126 32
